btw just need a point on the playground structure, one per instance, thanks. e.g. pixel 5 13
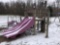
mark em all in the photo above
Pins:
pixel 43 13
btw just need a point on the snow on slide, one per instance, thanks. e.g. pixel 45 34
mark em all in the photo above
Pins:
pixel 16 26
pixel 21 30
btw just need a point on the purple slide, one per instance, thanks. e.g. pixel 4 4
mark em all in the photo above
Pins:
pixel 16 26
pixel 19 30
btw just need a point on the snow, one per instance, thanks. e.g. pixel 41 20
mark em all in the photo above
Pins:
pixel 4 19
pixel 39 39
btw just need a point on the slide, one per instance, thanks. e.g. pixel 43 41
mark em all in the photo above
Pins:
pixel 16 26
pixel 19 30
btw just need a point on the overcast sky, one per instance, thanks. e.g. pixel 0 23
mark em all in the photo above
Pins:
pixel 23 0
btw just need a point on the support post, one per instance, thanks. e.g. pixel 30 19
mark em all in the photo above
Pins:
pixel 35 22
pixel 43 26
pixel 35 27
pixel 46 25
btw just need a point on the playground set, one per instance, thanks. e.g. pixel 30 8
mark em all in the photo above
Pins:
pixel 43 13
pixel 27 23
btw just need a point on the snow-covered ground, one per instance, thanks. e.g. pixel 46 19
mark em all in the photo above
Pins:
pixel 4 19
pixel 39 39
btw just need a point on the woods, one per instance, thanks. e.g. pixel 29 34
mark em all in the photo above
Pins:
pixel 18 7
pixel 12 8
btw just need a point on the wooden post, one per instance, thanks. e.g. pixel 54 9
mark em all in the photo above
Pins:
pixel 47 22
pixel 38 25
pixel 43 26
pixel 46 25
pixel 34 13
pixel 35 27
pixel 35 22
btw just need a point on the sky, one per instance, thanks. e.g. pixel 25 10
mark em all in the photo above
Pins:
pixel 6 0
pixel 49 2
pixel 22 0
